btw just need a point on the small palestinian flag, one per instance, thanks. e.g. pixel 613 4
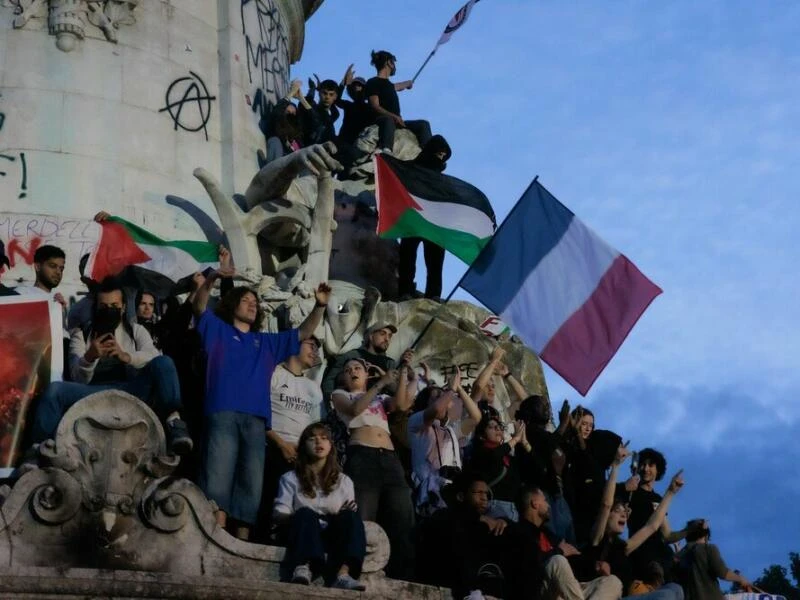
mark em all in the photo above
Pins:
pixel 417 202
pixel 123 244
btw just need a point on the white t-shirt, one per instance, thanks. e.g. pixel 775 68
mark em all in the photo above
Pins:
pixel 373 416
pixel 296 403
pixel 290 497
pixel 428 444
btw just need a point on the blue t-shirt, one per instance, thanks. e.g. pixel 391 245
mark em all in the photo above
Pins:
pixel 240 365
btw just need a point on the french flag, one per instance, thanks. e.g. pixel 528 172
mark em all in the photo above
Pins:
pixel 569 295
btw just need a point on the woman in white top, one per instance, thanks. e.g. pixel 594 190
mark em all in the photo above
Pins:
pixel 380 483
pixel 316 500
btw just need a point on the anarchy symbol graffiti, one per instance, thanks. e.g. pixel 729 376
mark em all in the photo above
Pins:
pixel 189 103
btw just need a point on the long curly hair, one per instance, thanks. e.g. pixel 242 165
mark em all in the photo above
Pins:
pixel 230 301
pixel 329 475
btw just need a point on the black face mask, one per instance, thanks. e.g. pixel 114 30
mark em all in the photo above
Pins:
pixel 106 320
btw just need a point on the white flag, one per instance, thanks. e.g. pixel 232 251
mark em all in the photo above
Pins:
pixel 457 21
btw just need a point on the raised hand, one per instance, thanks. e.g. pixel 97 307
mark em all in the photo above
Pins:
pixel 455 379
pixel 426 372
pixel 224 257
pixel 497 354
pixel 563 413
pixel 323 293
pixel 676 483
pixel 501 369
pixel 622 454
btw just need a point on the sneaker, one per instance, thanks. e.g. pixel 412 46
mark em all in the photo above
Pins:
pixel 475 595
pixel 345 582
pixel 179 441
pixel 302 575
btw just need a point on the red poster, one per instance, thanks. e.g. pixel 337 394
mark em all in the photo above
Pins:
pixel 31 355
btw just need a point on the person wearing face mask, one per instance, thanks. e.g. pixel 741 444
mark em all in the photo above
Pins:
pixel 113 353
pixel 381 94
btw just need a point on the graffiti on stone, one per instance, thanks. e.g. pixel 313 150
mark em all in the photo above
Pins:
pixel 22 170
pixel 188 102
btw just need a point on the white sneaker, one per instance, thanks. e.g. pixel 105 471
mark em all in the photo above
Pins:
pixel 302 575
pixel 346 582
pixel 474 595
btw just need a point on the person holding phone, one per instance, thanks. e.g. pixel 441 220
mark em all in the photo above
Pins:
pixel 317 503
pixel 113 353
pixel 381 489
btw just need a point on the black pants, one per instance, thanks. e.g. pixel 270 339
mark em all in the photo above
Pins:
pixel 387 127
pixel 383 495
pixel 343 541
pixel 434 263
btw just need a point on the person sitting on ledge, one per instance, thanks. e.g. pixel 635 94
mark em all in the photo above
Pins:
pixel 115 354
pixel 317 502
pixel 382 96
pixel 241 360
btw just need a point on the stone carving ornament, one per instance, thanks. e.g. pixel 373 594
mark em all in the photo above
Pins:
pixel 71 20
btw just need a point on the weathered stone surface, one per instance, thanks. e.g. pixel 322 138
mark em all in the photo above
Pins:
pixel 103 499
pixel 82 584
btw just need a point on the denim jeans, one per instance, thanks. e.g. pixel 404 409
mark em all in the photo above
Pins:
pixel 156 384
pixel 387 127
pixel 343 540
pixel 503 509
pixel 232 471
pixel 383 495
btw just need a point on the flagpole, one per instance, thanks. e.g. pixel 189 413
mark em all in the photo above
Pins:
pixel 453 291
pixel 430 56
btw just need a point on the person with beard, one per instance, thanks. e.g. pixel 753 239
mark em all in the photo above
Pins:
pixel 434 156
pixel 115 354
pixel 241 361
pixel 381 94
pixel 48 264
pixel 609 553
pixel 435 452
pixel 545 569
pixel 376 343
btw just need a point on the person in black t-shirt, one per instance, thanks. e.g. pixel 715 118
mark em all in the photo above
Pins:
pixel 318 120
pixel 382 97
pixel 608 552
pixel 643 501
pixel 357 117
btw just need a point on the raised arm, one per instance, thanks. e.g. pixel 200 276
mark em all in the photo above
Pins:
pixel 485 376
pixel 342 403
pixel 469 404
pixel 204 285
pixel 403 395
pixel 607 503
pixel 655 520
pixel 314 318
pixel 403 85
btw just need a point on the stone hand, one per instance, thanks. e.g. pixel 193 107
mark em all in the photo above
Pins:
pixel 318 158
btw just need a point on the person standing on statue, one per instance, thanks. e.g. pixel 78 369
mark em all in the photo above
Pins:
pixel 382 97
pixel 241 360
pixel 434 156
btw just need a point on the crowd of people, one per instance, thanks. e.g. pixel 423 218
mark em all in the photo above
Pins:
pixel 523 509
pixel 526 509
pixel 301 120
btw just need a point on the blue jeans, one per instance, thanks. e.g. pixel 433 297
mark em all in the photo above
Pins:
pixel 670 591
pixel 343 540
pixel 232 473
pixel 156 384
pixel 503 509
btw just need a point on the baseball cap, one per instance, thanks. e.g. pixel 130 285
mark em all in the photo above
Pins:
pixel 378 326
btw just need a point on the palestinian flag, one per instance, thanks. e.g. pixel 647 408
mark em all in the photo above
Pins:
pixel 123 244
pixel 417 202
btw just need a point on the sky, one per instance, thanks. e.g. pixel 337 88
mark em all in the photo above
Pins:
pixel 671 129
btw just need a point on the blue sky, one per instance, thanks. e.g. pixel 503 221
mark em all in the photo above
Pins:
pixel 672 130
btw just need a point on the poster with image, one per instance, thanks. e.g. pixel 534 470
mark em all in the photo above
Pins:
pixel 31 356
